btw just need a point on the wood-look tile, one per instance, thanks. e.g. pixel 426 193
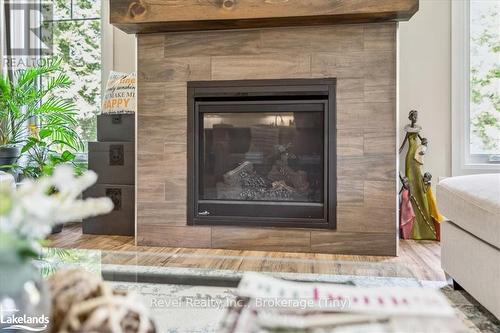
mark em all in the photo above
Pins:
pixel 350 192
pixel 209 43
pixel 380 89
pixel 168 161
pixel 160 234
pixel 379 64
pixel 350 142
pixel 173 147
pixel 380 37
pixel 338 64
pixel 175 135
pixel 379 142
pixel 150 190
pixel 380 116
pixel 368 167
pixel 269 66
pixel 150 98
pixel 149 145
pixel 161 213
pixel 176 121
pixel 163 127
pixel 175 69
pixel 176 93
pixel 150 46
pixel 176 189
pixel 350 90
pixel 350 115
pixel 260 239
pixel 380 194
pixel 366 219
pixel 150 123
pixel 151 164
pixel 315 39
pixel 176 111
pixel 353 243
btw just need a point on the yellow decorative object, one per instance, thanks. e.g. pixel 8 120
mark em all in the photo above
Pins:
pixel 431 199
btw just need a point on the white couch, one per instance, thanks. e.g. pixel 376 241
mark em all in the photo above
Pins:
pixel 470 240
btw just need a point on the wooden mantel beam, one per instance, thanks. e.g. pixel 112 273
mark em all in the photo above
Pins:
pixel 148 16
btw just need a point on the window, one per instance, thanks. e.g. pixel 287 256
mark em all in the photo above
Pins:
pixel 476 86
pixel 484 67
pixel 77 29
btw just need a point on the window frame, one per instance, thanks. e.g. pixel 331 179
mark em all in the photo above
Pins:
pixel 107 45
pixel 460 94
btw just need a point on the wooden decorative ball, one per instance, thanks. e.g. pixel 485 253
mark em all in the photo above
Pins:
pixel 68 287
pixel 95 307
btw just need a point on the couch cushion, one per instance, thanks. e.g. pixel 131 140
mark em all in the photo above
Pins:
pixel 473 203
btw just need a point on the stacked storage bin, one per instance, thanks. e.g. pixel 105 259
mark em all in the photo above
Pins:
pixel 113 159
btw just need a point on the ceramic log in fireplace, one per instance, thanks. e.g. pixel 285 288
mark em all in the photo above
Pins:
pixel 262 152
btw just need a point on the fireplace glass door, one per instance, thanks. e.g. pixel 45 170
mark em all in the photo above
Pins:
pixel 261 158
pixel 262 153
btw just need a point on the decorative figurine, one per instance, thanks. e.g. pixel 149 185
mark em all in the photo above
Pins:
pixel 406 213
pixel 437 218
pixel 421 150
pixel 423 226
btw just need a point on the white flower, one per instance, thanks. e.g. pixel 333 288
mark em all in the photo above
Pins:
pixel 36 206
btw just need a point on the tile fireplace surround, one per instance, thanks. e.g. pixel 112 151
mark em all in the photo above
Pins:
pixel 362 57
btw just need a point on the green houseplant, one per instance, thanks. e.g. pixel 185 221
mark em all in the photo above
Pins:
pixel 35 120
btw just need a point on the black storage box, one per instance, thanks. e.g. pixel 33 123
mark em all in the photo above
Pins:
pixel 120 221
pixel 116 127
pixel 114 162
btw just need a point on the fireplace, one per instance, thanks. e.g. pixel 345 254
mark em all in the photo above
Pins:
pixel 357 212
pixel 262 152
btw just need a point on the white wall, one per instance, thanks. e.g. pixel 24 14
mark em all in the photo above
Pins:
pixel 124 51
pixel 425 77
pixel 425 81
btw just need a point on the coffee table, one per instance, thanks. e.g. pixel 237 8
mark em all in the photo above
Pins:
pixel 191 292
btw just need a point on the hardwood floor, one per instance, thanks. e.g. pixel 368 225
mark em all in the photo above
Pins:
pixel 422 257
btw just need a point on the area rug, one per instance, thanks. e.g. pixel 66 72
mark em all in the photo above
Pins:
pixel 473 314
pixel 173 293
pixel 172 305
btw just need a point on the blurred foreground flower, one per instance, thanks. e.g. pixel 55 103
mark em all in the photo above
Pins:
pixel 28 213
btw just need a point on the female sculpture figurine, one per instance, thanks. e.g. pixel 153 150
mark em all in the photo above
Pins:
pixel 437 218
pixel 423 226
pixel 406 213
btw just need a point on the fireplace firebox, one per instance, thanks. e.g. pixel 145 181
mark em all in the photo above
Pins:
pixel 262 152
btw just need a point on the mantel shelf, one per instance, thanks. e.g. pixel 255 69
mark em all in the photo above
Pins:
pixel 147 16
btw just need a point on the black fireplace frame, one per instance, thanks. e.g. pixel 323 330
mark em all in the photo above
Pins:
pixel 251 90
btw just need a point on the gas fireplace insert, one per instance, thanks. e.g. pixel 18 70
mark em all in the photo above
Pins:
pixel 262 152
